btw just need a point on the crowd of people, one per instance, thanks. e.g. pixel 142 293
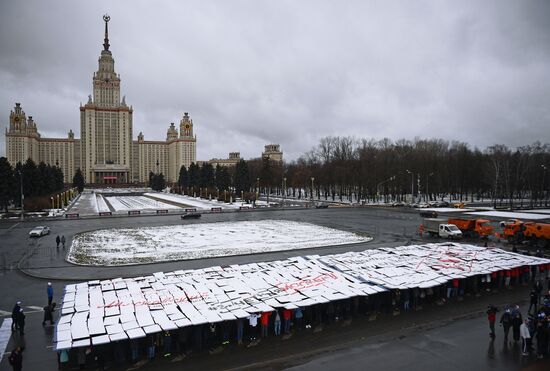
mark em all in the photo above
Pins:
pixel 283 323
pixel 533 328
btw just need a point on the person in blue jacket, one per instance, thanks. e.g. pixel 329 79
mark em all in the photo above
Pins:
pixel 50 293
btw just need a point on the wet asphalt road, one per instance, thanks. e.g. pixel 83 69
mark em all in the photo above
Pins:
pixel 390 227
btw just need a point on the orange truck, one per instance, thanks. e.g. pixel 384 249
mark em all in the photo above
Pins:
pixel 537 233
pixel 513 231
pixel 517 231
pixel 473 227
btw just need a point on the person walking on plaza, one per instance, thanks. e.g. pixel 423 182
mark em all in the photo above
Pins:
pixel 63 241
pixel 16 359
pixel 48 314
pixel 21 322
pixel 57 241
pixel 525 337
pixel 534 301
pixel 516 323
pixel 506 322
pixel 15 316
pixel 541 335
pixel 50 293
pixel 491 317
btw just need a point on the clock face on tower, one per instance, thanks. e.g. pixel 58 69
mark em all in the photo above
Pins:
pixel 16 119
pixel 187 126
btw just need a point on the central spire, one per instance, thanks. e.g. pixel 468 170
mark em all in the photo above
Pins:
pixel 106 18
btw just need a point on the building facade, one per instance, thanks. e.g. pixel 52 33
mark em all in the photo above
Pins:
pixel 273 152
pixel 106 151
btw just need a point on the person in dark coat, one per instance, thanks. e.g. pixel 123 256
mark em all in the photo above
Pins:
pixel 57 241
pixel 506 322
pixel 48 314
pixel 21 322
pixel 15 316
pixel 492 316
pixel 16 359
pixel 541 335
pixel 534 300
pixel 517 320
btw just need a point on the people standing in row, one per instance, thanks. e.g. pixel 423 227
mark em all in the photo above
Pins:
pixel 49 291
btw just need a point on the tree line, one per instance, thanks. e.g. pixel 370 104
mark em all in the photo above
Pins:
pixel 350 169
pixel 38 181
pixel 429 169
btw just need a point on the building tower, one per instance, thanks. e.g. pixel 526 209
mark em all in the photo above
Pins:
pixel 106 125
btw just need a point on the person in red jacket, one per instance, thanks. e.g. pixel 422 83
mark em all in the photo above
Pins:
pixel 264 321
pixel 491 317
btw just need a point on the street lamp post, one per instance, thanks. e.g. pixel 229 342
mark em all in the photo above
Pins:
pixel 22 196
pixel 284 190
pixel 412 185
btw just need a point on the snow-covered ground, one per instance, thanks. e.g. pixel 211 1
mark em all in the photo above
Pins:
pixel 195 241
pixel 124 203
pixel 199 203
pixel 537 211
pixel 101 204
pixel 446 209
pixel 511 215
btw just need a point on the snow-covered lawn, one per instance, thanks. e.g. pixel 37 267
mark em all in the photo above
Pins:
pixel 511 215
pixel 194 241
pixel 123 203
pixel 199 203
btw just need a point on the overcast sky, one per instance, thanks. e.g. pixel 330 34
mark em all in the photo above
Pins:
pixel 290 72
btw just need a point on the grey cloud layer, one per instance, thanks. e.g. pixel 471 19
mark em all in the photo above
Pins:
pixel 252 72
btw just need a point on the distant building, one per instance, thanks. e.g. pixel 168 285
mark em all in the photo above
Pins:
pixel 234 157
pixel 106 152
pixel 23 142
pixel 273 152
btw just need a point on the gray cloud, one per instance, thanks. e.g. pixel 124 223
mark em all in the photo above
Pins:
pixel 288 72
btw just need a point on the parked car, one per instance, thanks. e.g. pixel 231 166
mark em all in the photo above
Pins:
pixel 428 214
pixel 191 216
pixel 398 204
pixel 39 231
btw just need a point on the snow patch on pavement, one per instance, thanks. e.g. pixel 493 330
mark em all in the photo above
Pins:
pixel 124 246
pixel 196 202
pixel 124 203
